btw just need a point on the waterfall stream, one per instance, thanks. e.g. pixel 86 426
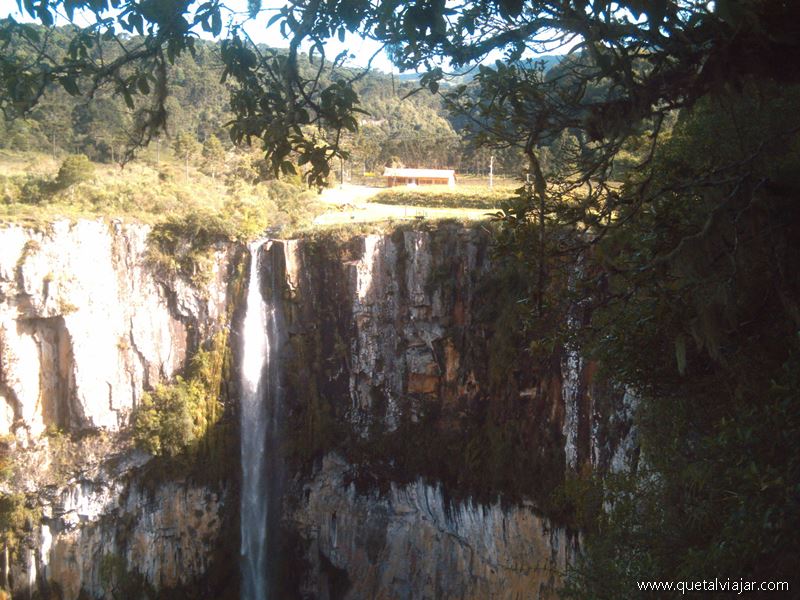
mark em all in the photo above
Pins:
pixel 254 427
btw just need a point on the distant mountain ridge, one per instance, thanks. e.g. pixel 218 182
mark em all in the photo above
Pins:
pixel 465 75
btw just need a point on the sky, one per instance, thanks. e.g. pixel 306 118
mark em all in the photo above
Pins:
pixel 359 48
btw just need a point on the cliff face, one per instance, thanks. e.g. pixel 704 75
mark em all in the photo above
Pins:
pixel 86 326
pixel 113 532
pixel 412 541
pixel 425 434
pixel 427 442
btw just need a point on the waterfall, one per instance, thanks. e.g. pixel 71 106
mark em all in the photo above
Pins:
pixel 254 429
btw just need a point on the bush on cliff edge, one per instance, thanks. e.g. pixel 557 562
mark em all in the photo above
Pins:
pixel 178 416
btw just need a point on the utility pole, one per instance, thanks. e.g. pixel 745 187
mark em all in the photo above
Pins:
pixel 54 144
pixel 491 171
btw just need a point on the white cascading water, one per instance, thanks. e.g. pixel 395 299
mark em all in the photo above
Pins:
pixel 254 424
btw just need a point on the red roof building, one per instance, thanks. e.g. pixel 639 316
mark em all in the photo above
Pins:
pixel 402 176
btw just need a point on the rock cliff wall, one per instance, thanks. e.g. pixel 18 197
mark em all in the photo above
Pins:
pixel 118 530
pixel 87 325
pixel 426 435
pixel 430 446
pixel 411 541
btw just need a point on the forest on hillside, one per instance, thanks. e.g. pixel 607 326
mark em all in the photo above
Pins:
pixel 398 127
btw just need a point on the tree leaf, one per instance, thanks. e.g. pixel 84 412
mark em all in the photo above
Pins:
pixel 70 85
pixel 216 23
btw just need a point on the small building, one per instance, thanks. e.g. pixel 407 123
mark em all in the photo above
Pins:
pixel 398 176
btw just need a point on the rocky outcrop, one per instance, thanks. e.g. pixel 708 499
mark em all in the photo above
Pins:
pixel 113 530
pixel 395 326
pixel 396 319
pixel 86 326
pixel 413 543
pixel 166 540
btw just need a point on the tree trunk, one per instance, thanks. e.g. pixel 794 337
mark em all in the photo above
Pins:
pixel 540 194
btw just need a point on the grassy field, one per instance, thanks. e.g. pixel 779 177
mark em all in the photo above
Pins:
pixel 31 194
pixel 463 195
pixel 341 232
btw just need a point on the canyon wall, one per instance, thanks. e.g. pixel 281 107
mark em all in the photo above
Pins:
pixel 426 438
pixel 88 323
pixel 431 449
pixel 413 541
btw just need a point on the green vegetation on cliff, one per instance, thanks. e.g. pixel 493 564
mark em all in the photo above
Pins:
pixel 185 416
pixel 188 418
pixel 167 420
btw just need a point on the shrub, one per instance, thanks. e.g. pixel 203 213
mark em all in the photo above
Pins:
pixel 76 168
pixel 16 516
pixel 9 189
pixel 177 416
pixel 181 244
pixel 162 424
pixel 24 189
pixel 6 457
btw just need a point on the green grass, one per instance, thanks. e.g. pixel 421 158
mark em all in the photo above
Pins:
pixel 478 196
pixel 144 191
pixel 191 211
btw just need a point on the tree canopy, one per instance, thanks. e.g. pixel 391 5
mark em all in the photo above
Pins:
pixel 649 57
